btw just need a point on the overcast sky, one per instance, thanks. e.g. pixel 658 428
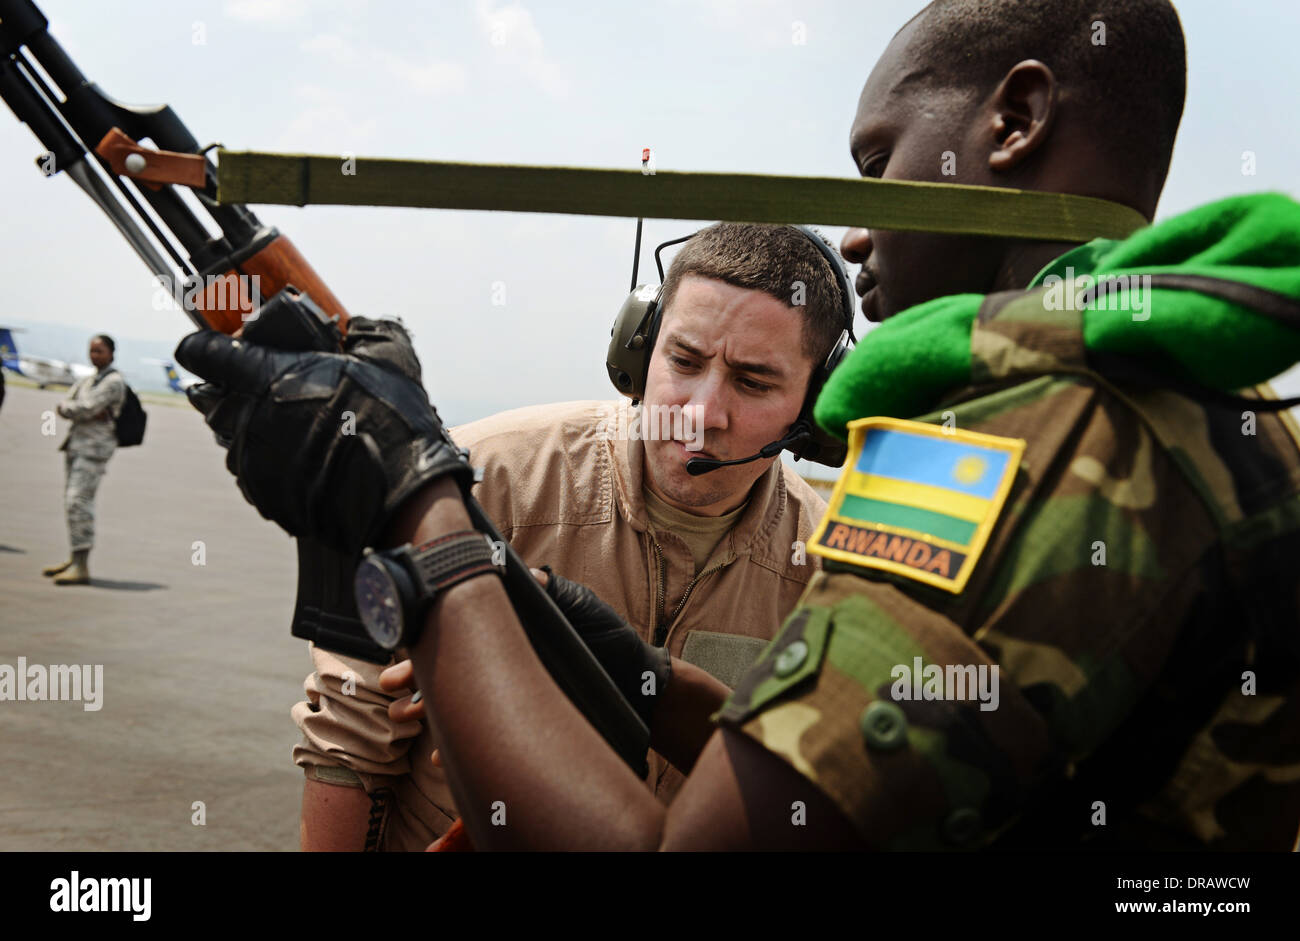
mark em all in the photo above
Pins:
pixel 709 84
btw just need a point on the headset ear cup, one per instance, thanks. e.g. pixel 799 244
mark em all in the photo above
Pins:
pixel 651 338
pixel 632 340
pixel 822 447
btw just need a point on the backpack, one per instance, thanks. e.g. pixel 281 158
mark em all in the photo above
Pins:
pixel 129 425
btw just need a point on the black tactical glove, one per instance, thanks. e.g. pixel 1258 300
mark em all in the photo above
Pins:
pixel 325 444
pixel 384 343
pixel 615 644
pixel 325 610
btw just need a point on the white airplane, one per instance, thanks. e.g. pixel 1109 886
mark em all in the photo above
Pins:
pixel 174 380
pixel 44 372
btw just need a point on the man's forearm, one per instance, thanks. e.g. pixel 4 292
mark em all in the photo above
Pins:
pixel 682 720
pixel 334 818
pixel 527 770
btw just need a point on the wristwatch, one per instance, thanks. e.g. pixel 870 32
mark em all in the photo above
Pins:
pixel 395 587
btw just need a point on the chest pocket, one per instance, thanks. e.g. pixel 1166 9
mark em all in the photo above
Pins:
pixel 725 657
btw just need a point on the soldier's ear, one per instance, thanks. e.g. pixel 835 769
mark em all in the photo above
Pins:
pixel 1023 113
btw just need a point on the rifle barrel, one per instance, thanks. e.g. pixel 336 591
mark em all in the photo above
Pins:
pixel 70 121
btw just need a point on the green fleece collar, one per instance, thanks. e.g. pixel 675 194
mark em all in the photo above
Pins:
pixel 906 366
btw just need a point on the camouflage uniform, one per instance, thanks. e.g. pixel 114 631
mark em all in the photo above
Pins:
pixel 1152 685
pixel 91 441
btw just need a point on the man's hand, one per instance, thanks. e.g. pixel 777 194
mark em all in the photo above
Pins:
pixel 396 680
pixel 641 671
pixel 326 445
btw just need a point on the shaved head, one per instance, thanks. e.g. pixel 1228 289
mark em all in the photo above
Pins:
pixel 1124 61
pixel 1057 96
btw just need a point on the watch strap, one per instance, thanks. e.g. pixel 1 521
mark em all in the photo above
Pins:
pixel 451 559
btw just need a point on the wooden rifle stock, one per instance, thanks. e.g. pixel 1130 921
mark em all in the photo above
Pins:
pixel 226 301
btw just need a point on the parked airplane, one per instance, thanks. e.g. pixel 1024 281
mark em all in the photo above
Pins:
pixel 44 372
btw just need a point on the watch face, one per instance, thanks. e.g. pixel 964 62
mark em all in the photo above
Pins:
pixel 378 602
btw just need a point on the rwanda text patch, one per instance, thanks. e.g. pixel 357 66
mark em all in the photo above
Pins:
pixel 918 500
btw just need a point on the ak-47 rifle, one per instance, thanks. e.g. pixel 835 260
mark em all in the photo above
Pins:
pixel 219 282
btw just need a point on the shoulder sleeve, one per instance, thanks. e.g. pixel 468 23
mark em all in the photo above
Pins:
pixel 1097 574
pixel 833 696
pixel 344 720
pixel 117 395
pixel 537 464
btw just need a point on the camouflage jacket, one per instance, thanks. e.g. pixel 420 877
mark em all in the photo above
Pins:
pixel 90 435
pixel 1138 593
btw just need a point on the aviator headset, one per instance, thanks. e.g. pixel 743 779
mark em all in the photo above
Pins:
pixel 632 340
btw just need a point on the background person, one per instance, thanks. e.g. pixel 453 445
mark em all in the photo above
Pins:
pixel 92 405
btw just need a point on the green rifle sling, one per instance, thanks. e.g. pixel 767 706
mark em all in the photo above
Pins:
pixel 302 180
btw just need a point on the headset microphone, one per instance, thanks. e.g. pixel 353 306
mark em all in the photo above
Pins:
pixel 795 436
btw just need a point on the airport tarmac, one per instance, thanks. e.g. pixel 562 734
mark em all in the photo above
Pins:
pixel 199 669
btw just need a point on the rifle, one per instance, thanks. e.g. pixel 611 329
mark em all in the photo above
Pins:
pixel 219 282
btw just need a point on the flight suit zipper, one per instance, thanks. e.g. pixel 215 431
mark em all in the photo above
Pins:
pixel 664 626
pixel 685 596
pixel 661 630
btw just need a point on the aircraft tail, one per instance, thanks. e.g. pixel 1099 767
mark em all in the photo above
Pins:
pixel 173 380
pixel 9 350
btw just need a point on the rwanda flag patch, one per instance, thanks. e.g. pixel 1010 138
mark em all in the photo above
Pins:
pixel 917 500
